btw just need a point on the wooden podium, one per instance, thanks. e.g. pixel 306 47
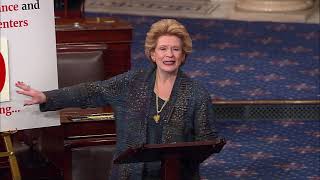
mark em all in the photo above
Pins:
pixel 171 154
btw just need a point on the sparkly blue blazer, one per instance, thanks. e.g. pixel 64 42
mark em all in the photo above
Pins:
pixel 189 114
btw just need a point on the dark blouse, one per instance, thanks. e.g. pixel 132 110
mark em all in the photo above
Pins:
pixel 154 135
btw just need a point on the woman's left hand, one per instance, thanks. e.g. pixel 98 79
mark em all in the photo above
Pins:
pixel 37 97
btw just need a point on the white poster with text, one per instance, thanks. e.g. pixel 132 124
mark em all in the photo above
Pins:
pixel 28 54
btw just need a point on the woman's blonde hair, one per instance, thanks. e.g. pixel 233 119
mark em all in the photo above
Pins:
pixel 167 27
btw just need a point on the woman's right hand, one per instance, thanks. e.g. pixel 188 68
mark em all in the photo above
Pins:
pixel 37 97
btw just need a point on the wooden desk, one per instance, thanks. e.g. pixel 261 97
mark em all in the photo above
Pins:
pixel 57 143
pixel 116 33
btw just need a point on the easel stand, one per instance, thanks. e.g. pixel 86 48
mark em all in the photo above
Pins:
pixel 15 172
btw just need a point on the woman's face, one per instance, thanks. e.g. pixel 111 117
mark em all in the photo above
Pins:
pixel 168 54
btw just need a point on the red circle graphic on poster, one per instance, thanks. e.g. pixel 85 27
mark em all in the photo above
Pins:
pixel 2 72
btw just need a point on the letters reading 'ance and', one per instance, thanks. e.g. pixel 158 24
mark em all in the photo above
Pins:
pixel 13 23
pixel 15 7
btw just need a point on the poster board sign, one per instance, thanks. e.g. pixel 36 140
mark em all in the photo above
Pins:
pixel 28 54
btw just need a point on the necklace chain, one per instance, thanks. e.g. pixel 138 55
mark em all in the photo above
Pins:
pixel 157 104
pixel 156 117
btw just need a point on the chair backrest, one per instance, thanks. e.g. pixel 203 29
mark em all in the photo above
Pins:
pixel 79 63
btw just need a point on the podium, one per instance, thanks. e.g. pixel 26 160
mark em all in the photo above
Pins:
pixel 171 155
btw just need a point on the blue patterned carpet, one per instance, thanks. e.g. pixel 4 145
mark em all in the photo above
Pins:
pixel 240 60
pixel 284 149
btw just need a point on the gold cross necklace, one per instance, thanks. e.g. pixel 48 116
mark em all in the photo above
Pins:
pixel 156 117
